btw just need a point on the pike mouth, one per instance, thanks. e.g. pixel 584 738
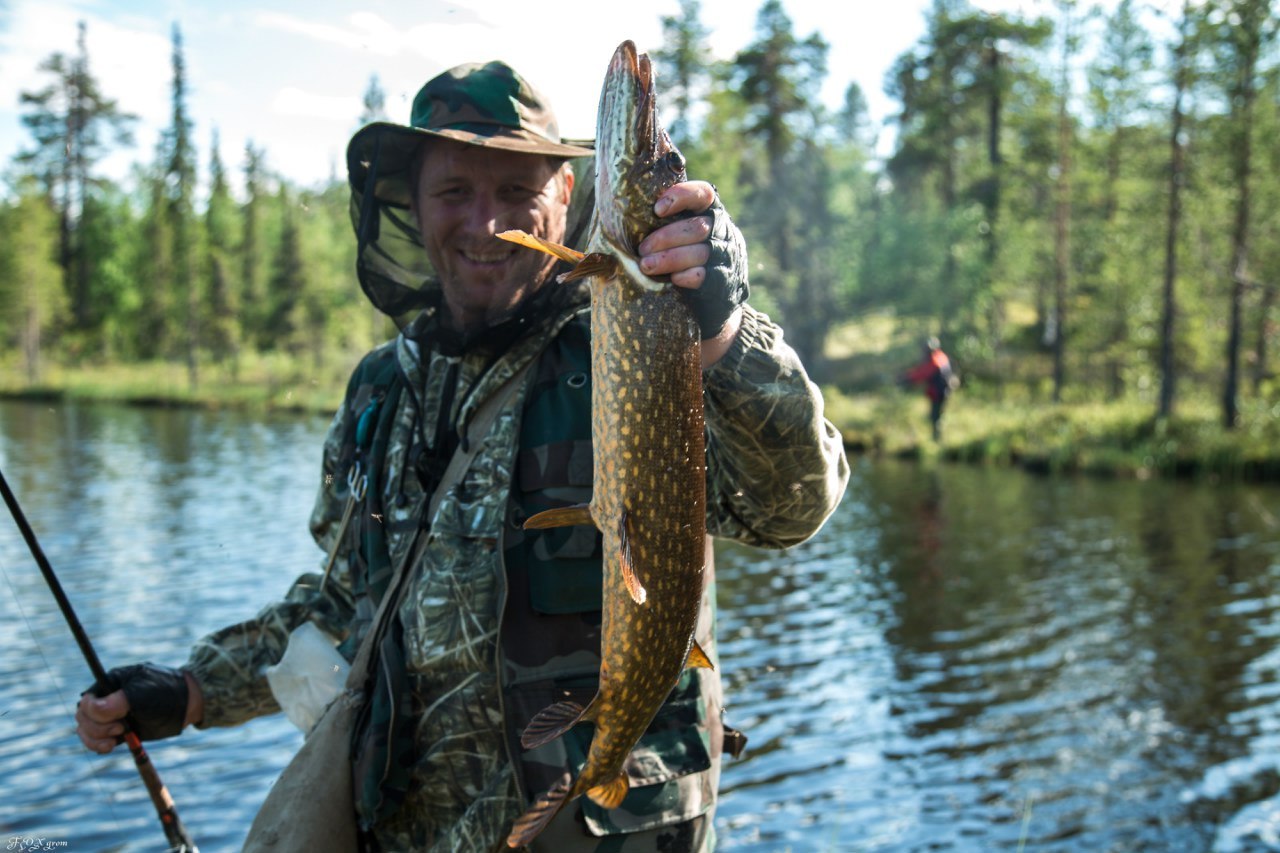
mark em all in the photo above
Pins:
pixel 631 76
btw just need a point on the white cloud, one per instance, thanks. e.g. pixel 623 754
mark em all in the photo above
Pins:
pixel 292 101
pixel 367 32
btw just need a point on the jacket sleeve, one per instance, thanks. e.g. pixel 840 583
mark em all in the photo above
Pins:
pixel 230 665
pixel 776 468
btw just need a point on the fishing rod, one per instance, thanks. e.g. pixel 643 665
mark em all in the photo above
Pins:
pixel 174 831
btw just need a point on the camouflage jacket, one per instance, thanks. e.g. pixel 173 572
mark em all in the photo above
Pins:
pixel 498 622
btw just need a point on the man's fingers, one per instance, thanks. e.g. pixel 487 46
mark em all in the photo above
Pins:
pixel 107 709
pixel 684 232
pixel 696 196
pixel 690 278
pixel 676 261
pixel 98 721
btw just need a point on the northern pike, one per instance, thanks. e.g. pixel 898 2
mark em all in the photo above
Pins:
pixel 649 478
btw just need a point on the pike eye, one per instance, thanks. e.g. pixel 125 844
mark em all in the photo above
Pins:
pixel 675 161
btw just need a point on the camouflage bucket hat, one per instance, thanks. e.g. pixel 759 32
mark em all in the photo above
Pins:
pixel 488 105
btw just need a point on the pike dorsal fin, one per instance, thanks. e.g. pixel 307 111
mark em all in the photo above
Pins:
pixel 552 722
pixel 564 516
pixel 611 793
pixel 698 658
pixel 529 241
pixel 629 577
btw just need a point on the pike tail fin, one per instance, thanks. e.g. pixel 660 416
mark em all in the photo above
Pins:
pixel 611 793
pixel 541 813
pixel 553 721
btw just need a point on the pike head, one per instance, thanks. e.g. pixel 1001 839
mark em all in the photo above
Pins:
pixel 635 159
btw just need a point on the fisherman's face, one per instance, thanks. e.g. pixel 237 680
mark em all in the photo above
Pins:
pixel 465 195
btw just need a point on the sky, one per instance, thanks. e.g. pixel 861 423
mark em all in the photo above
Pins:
pixel 289 75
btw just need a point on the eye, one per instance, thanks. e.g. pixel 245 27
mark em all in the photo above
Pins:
pixel 450 192
pixel 519 193
pixel 675 161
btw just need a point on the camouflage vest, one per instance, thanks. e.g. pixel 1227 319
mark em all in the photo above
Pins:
pixel 549 637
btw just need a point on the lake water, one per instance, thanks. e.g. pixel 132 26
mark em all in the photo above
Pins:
pixel 963 659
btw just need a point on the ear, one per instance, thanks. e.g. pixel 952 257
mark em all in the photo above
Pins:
pixel 568 178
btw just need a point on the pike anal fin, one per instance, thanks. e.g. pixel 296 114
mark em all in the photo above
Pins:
pixel 636 589
pixel 563 516
pixel 552 722
pixel 698 658
pixel 611 793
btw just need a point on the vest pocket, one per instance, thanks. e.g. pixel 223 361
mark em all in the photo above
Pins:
pixel 563 563
pixel 566 586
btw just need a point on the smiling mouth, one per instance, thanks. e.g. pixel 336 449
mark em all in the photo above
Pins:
pixel 486 256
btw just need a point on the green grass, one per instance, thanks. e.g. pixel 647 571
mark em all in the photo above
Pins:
pixel 262 381
pixel 1112 439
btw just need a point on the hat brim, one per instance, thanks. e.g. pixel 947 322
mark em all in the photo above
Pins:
pixel 395 145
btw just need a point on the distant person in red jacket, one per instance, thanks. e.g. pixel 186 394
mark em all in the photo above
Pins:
pixel 935 374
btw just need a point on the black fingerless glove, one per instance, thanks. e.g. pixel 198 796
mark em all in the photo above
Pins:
pixel 725 287
pixel 157 697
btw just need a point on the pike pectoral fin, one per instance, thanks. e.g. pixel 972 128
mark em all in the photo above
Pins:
pixel 597 264
pixel 564 516
pixel 698 658
pixel 611 793
pixel 629 577
pixel 553 721
pixel 529 241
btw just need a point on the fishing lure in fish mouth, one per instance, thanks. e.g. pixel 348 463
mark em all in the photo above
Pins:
pixel 648 440
pixel 174 831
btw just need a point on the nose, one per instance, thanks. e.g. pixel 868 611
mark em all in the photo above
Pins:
pixel 483 214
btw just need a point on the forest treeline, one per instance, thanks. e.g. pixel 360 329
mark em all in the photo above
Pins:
pixel 1082 203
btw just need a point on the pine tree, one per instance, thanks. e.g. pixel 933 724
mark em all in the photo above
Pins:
pixel 1244 26
pixel 68 120
pixel 223 334
pixel 374 102
pixel 778 76
pixel 180 180
pixel 31 295
pixel 1177 174
pixel 683 68
pixel 1063 194
pixel 252 246
pixel 286 285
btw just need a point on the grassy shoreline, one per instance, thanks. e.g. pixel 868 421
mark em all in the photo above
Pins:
pixel 1121 439
pixel 259 383
pixel 1110 439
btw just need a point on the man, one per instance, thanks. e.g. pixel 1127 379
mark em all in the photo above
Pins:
pixel 498 621
pixel 935 374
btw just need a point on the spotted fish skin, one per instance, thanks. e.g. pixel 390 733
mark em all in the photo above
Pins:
pixel 649 502
pixel 649 483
